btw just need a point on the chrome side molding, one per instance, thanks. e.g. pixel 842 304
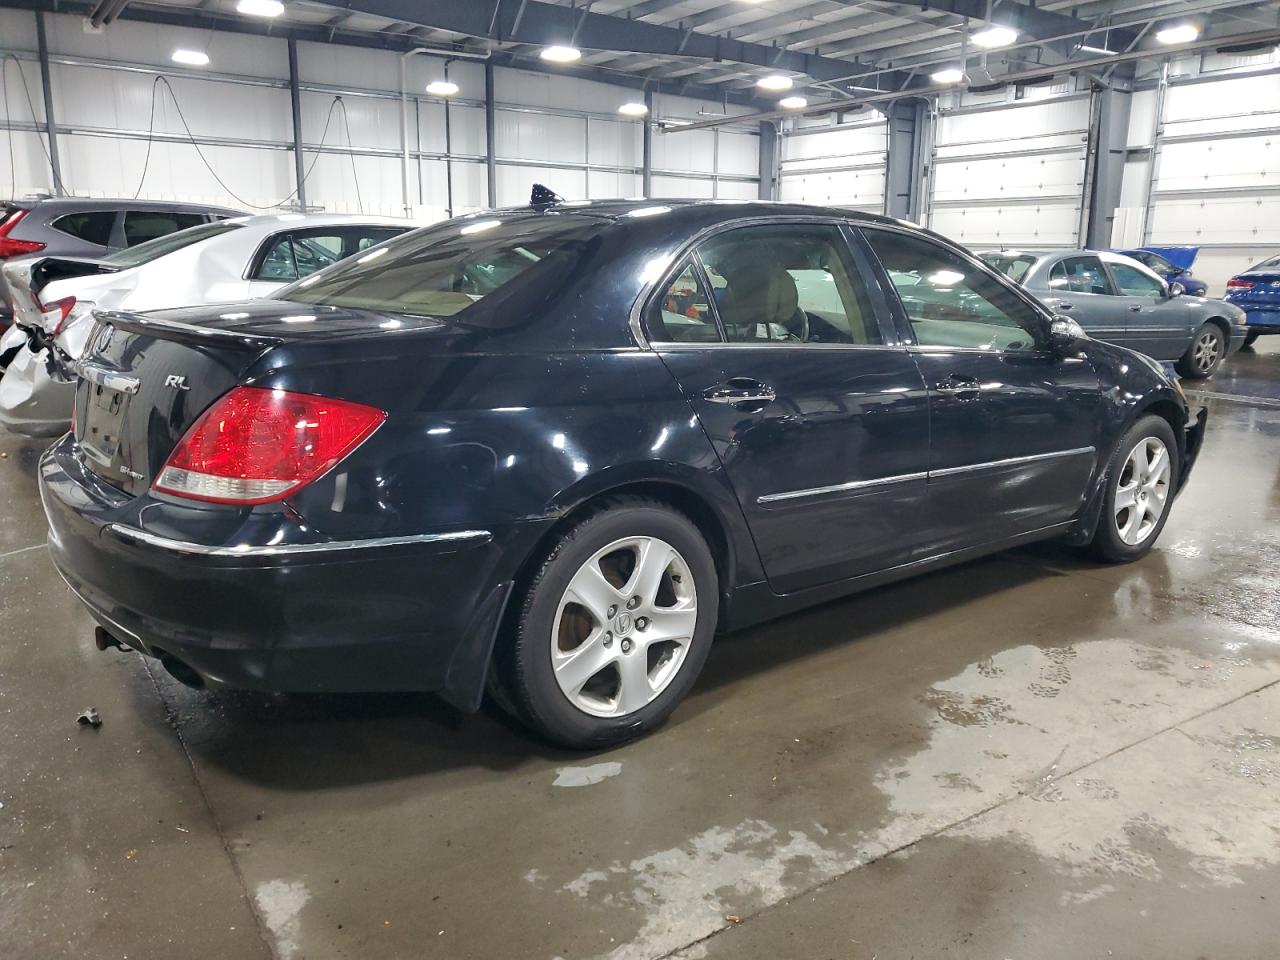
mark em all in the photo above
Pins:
pixel 1010 462
pixel 292 549
pixel 840 487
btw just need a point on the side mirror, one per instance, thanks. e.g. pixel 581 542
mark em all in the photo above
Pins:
pixel 1176 289
pixel 1065 334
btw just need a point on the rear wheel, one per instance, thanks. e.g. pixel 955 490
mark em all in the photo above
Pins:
pixel 1138 491
pixel 615 625
pixel 1206 351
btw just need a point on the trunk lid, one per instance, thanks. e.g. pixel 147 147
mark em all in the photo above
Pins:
pixel 27 278
pixel 145 378
pixel 1264 292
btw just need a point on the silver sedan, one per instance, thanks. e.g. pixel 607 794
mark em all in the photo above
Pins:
pixel 1119 300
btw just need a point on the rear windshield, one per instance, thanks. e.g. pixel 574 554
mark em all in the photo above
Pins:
pixel 1266 264
pixel 445 270
pixel 159 247
pixel 1012 265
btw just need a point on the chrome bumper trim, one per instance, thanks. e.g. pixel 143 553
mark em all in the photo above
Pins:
pixel 292 549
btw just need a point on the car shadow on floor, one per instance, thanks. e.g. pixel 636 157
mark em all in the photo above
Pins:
pixel 312 741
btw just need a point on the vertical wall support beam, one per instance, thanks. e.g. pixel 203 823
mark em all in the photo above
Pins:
pixel 295 103
pixel 1153 164
pixel 1108 139
pixel 768 189
pixel 646 161
pixel 50 126
pixel 490 126
pixel 905 165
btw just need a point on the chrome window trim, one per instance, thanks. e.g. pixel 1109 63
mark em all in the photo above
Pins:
pixel 1010 462
pixel 840 487
pixel 924 475
pixel 292 549
pixel 665 346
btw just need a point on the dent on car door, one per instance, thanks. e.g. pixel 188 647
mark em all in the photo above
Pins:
pixel 1155 324
pixel 1013 426
pixel 820 422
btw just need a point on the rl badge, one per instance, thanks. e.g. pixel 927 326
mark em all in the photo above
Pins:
pixel 177 382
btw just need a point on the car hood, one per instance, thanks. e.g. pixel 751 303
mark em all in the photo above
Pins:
pixel 1181 256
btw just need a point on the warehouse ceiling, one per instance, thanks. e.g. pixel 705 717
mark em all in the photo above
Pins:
pixel 831 50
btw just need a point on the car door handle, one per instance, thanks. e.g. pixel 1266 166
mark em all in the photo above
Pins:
pixel 740 390
pixel 1065 304
pixel 1135 308
pixel 960 387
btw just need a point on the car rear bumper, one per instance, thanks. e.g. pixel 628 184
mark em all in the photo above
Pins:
pixel 413 612
pixel 32 403
pixel 1262 320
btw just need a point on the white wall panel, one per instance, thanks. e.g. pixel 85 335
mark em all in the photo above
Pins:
pixel 996 178
pixel 1041 225
pixel 841 166
pixel 563 123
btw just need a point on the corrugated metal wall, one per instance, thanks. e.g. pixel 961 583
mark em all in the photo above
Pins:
pixel 561 131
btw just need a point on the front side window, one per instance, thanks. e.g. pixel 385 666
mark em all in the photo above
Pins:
pixel 789 283
pixel 1079 275
pixel 681 313
pixel 951 302
pixel 92 226
pixel 1133 282
pixel 143 225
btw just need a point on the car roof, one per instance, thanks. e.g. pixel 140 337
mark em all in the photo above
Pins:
pixel 53 204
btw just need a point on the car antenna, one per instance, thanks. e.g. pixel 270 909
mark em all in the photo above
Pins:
pixel 543 197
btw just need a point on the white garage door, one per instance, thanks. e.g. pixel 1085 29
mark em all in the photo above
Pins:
pixel 839 166
pixel 1217 174
pixel 1010 175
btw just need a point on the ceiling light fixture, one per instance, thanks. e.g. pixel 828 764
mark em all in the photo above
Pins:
pixel 1180 33
pixel 994 36
pixel 793 103
pixel 633 109
pixel 260 8
pixel 191 58
pixel 1084 47
pixel 561 54
pixel 947 75
pixel 775 81
pixel 442 88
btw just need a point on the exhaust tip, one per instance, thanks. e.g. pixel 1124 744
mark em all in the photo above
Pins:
pixel 180 671
pixel 105 641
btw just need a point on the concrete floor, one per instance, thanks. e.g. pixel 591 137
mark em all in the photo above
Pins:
pixel 1026 757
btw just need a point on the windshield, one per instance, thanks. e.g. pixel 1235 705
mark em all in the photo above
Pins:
pixel 1012 265
pixel 160 246
pixel 445 270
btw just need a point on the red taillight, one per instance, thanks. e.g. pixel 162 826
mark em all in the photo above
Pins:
pixel 256 446
pixel 1235 283
pixel 57 312
pixel 9 247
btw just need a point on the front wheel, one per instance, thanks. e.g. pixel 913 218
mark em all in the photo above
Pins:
pixel 1206 351
pixel 614 627
pixel 1137 491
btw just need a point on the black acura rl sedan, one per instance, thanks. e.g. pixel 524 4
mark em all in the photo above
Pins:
pixel 550 452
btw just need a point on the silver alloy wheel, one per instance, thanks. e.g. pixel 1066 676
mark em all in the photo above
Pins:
pixel 624 626
pixel 1143 491
pixel 1206 351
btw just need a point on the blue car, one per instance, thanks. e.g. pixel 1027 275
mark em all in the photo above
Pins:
pixel 1257 293
pixel 1171 263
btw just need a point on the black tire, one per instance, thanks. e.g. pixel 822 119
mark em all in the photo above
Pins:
pixel 1107 544
pixel 525 655
pixel 1204 353
pixel 1251 338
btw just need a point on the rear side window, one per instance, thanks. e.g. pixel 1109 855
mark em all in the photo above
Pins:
pixel 300 254
pixel 789 283
pixel 1080 275
pixel 682 312
pixel 1012 265
pixel 445 270
pixel 143 225
pixel 92 226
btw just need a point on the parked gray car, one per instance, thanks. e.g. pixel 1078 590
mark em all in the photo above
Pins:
pixel 84 227
pixel 1117 299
